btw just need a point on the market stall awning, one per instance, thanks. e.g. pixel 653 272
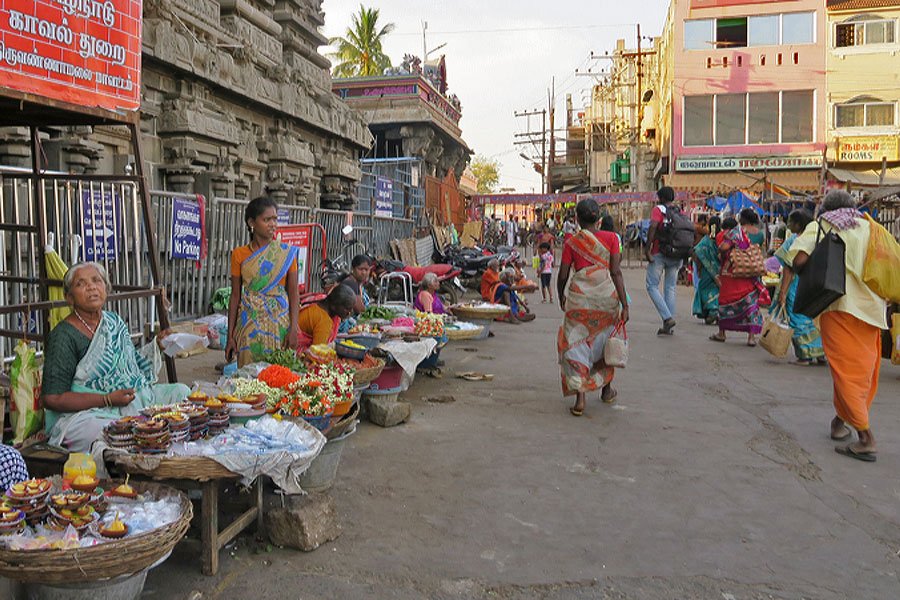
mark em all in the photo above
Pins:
pixel 866 177
pixel 725 183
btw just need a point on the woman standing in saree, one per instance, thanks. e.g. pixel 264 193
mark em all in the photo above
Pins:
pixel 706 258
pixel 591 305
pixel 92 371
pixel 265 299
pixel 806 339
pixel 738 296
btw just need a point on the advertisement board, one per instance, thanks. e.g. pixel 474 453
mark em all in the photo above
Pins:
pixel 869 148
pixel 86 52
pixel 298 235
pixel 748 163
pixel 384 205
pixel 187 229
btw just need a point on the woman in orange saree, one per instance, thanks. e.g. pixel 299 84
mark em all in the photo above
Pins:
pixel 591 305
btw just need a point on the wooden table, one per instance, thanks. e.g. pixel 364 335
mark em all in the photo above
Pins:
pixel 208 476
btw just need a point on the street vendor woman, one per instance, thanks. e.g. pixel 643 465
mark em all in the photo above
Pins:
pixel 265 299
pixel 319 322
pixel 427 300
pixel 92 371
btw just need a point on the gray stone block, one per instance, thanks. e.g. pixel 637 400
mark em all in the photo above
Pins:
pixel 387 412
pixel 304 522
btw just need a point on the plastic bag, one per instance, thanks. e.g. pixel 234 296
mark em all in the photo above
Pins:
pixel 615 353
pixel 881 272
pixel 25 391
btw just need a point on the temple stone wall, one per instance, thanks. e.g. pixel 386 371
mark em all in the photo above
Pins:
pixel 236 101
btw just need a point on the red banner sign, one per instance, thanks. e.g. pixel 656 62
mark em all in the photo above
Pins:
pixel 298 235
pixel 86 52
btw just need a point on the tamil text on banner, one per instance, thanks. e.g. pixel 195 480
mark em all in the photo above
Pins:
pixel 298 235
pixel 384 205
pixel 86 52
pixel 187 231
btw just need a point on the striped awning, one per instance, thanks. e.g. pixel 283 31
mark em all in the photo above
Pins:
pixel 807 182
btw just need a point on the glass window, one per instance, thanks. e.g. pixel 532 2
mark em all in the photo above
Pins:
pixel 798 28
pixel 698 112
pixel 845 35
pixel 698 34
pixel 763 117
pixel 850 115
pixel 731 33
pixel 879 32
pixel 864 31
pixel 797 116
pixel 731 115
pixel 763 30
pixel 879 114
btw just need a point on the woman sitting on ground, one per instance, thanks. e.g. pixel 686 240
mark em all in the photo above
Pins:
pixel 93 374
pixel 505 293
pixel 319 322
pixel 427 299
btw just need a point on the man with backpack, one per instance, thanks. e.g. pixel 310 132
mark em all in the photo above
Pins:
pixel 669 241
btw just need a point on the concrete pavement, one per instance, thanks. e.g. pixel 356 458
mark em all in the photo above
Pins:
pixel 712 476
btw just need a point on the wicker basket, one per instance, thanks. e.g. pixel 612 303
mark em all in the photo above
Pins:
pixel 196 468
pixel 364 376
pixel 469 312
pixel 110 559
pixel 463 334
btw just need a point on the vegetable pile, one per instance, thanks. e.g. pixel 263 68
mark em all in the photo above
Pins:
pixel 285 358
pixel 378 312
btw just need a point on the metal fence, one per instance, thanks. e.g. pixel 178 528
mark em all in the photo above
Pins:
pixel 407 177
pixel 85 220
pixel 190 284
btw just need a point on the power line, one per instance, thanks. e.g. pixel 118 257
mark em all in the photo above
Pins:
pixel 520 29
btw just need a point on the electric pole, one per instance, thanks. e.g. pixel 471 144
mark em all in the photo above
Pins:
pixel 531 138
pixel 552 135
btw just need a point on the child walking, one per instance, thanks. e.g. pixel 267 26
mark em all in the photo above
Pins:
pixel 546 271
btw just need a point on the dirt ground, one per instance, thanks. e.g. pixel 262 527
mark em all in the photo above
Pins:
pixel 712 476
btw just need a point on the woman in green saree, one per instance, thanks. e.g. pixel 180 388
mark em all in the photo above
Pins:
pixel 93 374
pixel 706 257
pixel 265 299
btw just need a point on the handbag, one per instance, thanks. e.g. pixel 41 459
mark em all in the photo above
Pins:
pixel 776 335
pixel 615 353
pixel 823 279
pixel 747 263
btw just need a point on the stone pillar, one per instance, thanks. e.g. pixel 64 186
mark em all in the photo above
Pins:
pixel 15 146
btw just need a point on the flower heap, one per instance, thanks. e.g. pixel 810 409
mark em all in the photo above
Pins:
pixel 429 324
pixel 276 376
pixel 337 381
pixel 305 397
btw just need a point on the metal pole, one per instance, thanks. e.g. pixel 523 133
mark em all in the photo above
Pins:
pixel 37 183
pixel 544 151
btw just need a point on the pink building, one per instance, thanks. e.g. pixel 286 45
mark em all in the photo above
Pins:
pixel 748 94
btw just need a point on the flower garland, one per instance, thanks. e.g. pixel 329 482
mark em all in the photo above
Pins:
pixel 276 376
pixel 337 381
pixel 305 398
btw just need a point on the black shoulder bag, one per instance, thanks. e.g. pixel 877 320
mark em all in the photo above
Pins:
pixel 824 276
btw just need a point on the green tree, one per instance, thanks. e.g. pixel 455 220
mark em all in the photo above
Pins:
pixel 487 171
pixel 359 53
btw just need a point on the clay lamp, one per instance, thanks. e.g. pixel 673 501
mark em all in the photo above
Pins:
pixel 85 483
pixel 124 490
pixel 116 529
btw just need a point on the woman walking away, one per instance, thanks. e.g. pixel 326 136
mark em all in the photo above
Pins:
pixel 749 221
pixel 265 299
pixel 851 326
pixel 806 338
pixel 738 296
pixel 706 258
pixel 591 305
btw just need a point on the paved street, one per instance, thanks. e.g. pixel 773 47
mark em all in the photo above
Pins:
pixel 712 476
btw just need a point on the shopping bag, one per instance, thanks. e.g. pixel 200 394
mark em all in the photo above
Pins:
pixel 824 276
pixel 25 391
pixel 747 263
pixel 535 262
pixel 882 269
pixel 615 353
pixel 776 335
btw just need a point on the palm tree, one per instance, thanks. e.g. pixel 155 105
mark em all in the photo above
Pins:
pixel 359 53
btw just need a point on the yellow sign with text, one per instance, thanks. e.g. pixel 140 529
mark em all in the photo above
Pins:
pixel 869 149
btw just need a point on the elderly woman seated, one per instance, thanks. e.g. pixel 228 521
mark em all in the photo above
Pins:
pixel 504 292
pixel 93 374
pixel 427 299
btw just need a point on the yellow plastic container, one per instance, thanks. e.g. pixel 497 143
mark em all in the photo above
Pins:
pixel 78 464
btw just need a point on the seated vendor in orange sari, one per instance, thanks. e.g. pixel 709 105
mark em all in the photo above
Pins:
pixel 490 279
pixel 319 322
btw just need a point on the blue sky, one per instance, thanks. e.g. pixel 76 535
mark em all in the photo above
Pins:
pixel 501 56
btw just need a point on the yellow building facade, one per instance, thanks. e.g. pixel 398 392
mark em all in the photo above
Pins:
pixel 863 92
